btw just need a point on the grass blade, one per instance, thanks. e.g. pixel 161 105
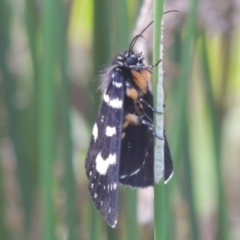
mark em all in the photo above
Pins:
pixel 159 189
pixel 46 115
pixel 216 127
pixel 69 179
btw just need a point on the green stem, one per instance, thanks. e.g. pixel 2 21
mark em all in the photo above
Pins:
pixel 216 127
pixel 159 189
pixel 46 115
pixel 69 180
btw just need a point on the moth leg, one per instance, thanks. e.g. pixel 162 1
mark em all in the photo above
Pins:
pixel 149 106
pixel 150 126
pixel 149 68
pixel 156 64
pixel 144 116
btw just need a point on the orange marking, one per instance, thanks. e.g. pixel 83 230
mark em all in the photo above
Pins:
pixel 123 134
pixel 132 93
pixel 146 75
pixel 142 79
pixel 130 119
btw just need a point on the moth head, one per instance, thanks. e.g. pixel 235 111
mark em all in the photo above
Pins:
pixel 133 59
pixel 128 59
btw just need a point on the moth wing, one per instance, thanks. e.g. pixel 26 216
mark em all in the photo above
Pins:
pixel 137 158
pixel 137 154
pixel 102 161
pixel 136 164
pixel 168 164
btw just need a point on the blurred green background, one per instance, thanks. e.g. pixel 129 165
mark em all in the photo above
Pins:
pixel 51 54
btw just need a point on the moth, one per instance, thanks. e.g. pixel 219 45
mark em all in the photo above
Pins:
pixel 122 143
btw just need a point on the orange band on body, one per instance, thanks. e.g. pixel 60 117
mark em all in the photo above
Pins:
pixel 130 119
pixel 141 79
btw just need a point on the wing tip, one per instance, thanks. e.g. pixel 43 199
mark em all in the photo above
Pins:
pixel 168 179
pixel 113 224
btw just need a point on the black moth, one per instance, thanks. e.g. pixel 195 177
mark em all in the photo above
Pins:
pixel 121 148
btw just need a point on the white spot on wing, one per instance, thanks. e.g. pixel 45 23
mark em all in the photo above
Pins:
pixel 95 195
pixel 102 165
pixel 102 118
pixel 117 84
pixel 95 132
pixel 110 131
pixel 114 103
pixel 106 98
pixel 114 186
